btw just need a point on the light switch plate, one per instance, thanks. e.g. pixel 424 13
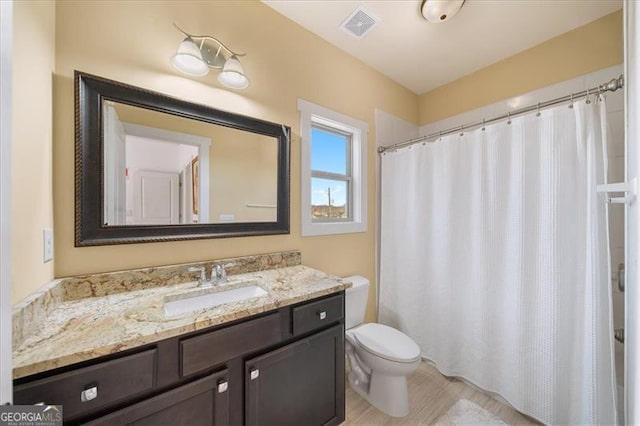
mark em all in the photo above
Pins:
pixel 47 244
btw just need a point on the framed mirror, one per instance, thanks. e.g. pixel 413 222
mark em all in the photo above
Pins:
pixel 150 167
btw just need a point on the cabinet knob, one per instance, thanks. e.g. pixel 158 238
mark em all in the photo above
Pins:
pixel 254 373
pixel 322 315
pixel 89 394
pixel 223 385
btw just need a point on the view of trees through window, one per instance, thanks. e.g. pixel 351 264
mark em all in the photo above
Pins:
pixel 330 174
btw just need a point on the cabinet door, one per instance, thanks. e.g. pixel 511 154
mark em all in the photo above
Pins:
pixel 202 402
pixel 298 384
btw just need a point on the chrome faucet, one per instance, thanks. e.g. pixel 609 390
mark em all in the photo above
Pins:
pixel 218 274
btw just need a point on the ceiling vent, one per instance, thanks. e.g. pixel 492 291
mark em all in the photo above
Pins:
pixel 359 23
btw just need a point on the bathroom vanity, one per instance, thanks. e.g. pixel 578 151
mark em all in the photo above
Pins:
pixel 274 360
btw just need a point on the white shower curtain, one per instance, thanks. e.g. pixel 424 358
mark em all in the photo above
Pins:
pixel 495 260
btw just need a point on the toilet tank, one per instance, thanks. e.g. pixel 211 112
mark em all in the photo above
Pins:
pixel 356 300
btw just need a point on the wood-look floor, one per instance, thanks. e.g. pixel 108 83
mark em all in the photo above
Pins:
pixel 430 395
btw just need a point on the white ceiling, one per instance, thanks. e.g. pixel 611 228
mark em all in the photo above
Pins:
pixel 422 56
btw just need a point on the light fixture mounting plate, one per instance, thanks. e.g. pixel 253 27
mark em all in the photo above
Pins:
pixel 213 56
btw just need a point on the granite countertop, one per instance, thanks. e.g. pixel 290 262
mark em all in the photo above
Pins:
pixel 87 328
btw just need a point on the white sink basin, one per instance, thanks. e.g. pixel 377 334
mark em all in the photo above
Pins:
pixel 209 298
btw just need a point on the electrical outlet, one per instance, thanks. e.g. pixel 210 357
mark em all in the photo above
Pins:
pixel 47 244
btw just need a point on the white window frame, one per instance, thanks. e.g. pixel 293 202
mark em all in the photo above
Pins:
pixel 311 114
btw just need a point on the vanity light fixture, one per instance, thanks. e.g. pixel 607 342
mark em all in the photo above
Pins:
pixel 197 54
pixel 440 10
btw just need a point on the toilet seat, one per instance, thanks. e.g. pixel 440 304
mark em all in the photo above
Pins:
pixel 386 342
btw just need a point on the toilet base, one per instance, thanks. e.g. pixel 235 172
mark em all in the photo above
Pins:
pixel 387 393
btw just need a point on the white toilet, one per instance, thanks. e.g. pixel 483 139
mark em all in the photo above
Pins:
pixel 380 357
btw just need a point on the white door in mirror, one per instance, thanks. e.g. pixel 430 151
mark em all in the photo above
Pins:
pixel 155 198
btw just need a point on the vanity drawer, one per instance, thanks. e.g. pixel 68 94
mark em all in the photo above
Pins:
pixel 203 402
pixel 207 350
pixel 94 387
pixel 314 315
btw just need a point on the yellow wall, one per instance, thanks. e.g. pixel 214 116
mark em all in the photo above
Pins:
pixel 32 210
pixel 591 47
pixel 133 41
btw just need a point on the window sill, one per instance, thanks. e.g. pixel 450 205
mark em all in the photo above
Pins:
pixel 332 228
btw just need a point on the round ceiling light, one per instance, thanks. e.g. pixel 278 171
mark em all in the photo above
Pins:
pixel 440 10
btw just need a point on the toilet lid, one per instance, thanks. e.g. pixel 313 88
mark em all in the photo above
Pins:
pixel 387 342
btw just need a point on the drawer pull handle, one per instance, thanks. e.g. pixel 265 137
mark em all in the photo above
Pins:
pixel 223 386
pixel 89 394
pixel 323 315
pixel 254 373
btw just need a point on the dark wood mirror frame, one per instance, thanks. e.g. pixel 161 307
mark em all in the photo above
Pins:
pixel 90 92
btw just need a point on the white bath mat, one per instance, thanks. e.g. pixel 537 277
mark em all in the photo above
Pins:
pixel 465 412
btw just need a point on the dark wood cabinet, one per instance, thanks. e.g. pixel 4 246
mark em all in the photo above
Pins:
pixel 87 389
pixel 299 384
pixel 204 402
pixel 316 315
pixel 283 367
pixel 206 350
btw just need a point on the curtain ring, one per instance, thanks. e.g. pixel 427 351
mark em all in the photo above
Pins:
pixel 571 100
pixel 483 128
pixel 538 110
pixel 509 118
pixel 461 130
pixel 440 135
pixel 588 100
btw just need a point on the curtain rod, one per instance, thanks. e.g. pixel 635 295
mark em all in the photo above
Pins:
pixel 611 86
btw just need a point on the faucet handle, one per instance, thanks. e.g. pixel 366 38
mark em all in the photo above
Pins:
pixel 203 275
pixel 220 272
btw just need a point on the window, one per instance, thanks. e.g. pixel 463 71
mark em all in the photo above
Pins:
pixel 330 174
pixel 333 168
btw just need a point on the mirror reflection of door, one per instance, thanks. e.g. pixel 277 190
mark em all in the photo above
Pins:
pixel 156 195
pixel 149 176
pixel 231 180
pixel 186 196
pixel 155 198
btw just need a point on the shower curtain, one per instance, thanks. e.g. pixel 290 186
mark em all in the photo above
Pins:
pixel 495 260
